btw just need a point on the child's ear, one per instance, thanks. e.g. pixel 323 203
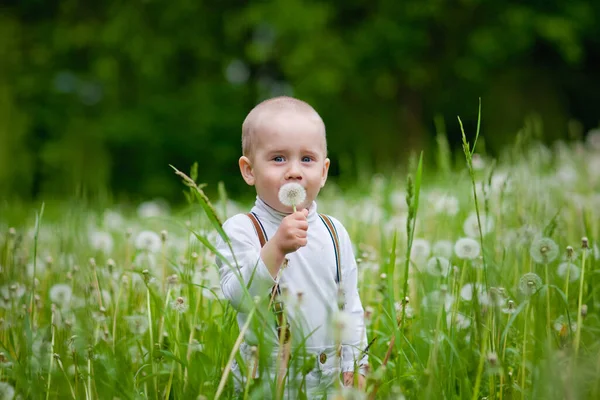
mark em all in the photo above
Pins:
pixel 246 170
pixel 325 172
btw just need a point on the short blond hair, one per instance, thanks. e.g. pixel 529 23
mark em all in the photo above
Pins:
pixel 272 106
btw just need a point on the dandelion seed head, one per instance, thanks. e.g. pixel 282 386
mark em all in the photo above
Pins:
pixel 467 248
pixel 585 243
pixel 292 194
pixel 101 241
pixel 420 251
pixel 61 294
pixel 471 225
pixel 137 324
pixel 179 305
pixel 461 321
pixel 544 250
pixel 113 220
pixel 570 268
pixel 154 208
pixel 148 241
pixel 442 248
pixel 561 325
pixel 7 392
pixel 438 266
pixel 446 204
pixel 593 138
pixel 530 283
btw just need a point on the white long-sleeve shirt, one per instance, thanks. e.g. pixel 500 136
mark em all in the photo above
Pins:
pixel 311 270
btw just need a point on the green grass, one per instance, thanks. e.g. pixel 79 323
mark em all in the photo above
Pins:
pixel 117 315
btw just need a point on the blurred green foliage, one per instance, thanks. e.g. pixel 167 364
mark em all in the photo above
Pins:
pixel 97 95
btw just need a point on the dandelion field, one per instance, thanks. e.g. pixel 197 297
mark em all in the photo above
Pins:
pixel 497 298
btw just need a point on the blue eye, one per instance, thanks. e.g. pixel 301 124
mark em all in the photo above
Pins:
pixel 278 159
pixel 306 159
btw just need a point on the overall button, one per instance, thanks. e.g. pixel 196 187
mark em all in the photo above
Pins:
pixel 323 358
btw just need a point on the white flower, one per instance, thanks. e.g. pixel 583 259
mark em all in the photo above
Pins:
pixel 434 300
pixel 438 266
pixel 292 194
pixel 500 181
pixel 572 269
pixel 179 305
pixel 593 138
pixel 466 293
pixel 61 294
pixel 477 162
pixel 153 208
pixel 461 322
pixel 442 248
pixel 7 392
pixel 530 283
pixel 446 204
pixel 137 324
pixel 113 220
pixel 471 226
pixel 467 248
pixel 567 174
pixel 102 241
pixel 144 261
pixel 408 310
pixel 420 250
pixel 544 250
pixel 561 324
pixel 148 241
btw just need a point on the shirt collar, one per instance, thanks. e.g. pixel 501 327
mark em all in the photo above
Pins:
pixel 268 213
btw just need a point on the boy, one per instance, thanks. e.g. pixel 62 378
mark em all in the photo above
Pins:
pixel 283 141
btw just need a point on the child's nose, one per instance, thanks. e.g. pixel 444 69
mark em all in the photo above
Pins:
pixel 293 172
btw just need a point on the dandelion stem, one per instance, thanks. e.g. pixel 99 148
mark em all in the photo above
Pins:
pixel 547 276
pixel 114 329
pixel 149 307
pixel 524 355
pixel 579 303
pixel 175 352
pixel 234 350
pixel 51 352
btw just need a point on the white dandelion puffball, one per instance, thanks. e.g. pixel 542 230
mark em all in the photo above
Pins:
pixel 148 241
pixel 544 250
pixel 420 250
pixel 102 241
pixel 593 138
pixel 6 391
pixel 438 266
pixel 292 194
pixel 467 248
pixel 61 294
pixel 471 225
pixel 113 220
pixel 461 321
pixel 530 283
pixel 442 248
pixel 573 270
pixel 446 204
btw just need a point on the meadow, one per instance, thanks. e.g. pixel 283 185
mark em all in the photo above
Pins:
pixel 479 279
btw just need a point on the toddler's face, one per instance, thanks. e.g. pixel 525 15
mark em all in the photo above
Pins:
pixel 289 148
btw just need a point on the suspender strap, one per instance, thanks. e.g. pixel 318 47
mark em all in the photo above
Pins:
pixel 260 230
pixel 336 245
pixel 278 306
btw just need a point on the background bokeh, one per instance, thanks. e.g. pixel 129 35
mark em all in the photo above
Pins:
pixel 97 98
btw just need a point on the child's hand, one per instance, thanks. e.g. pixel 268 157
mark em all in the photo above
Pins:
pixel 348 378
pixel 290 236
pixel 292 233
